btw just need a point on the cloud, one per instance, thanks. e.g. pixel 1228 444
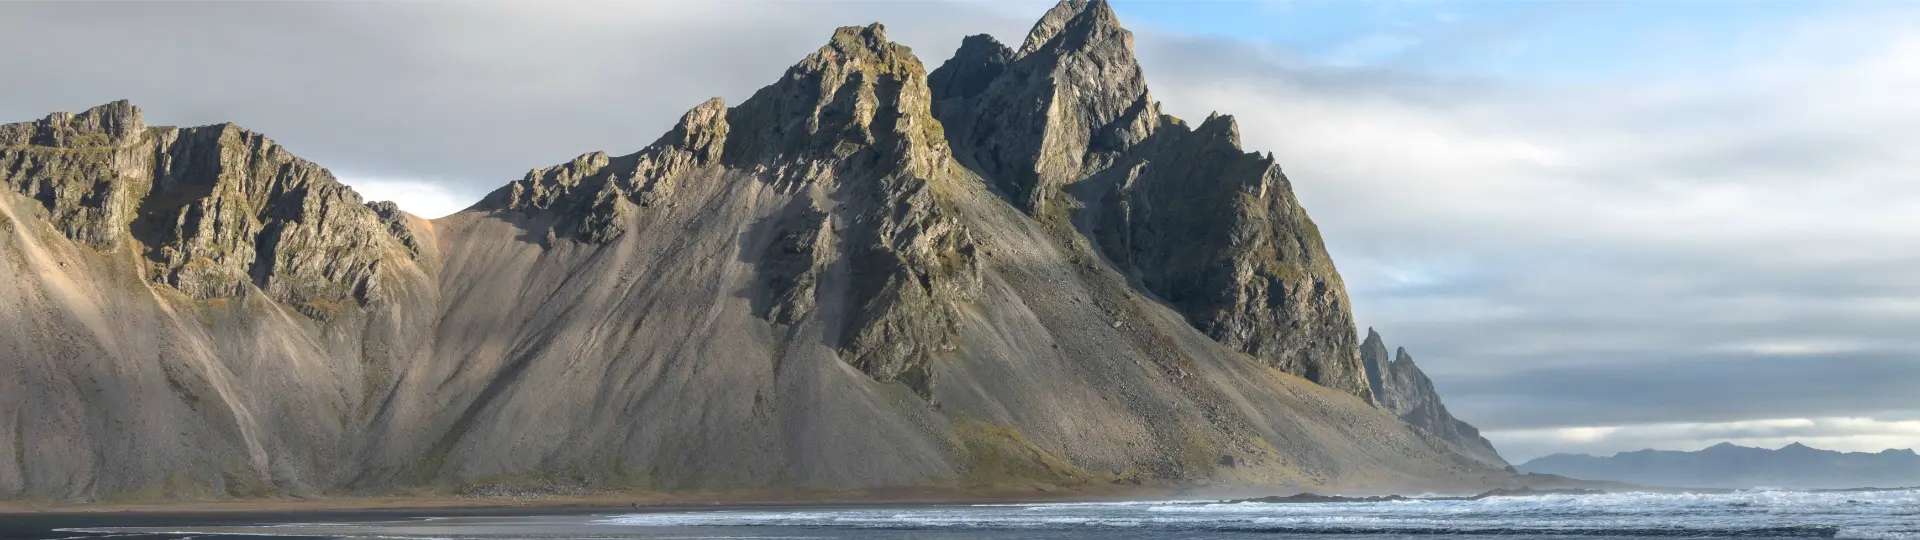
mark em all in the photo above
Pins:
pixel 1720 244
pixel 419 197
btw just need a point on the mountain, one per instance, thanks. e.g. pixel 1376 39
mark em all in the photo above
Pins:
pixel 1009 275
pixel 1401 387
pixel 1725 465
pixel 1066 129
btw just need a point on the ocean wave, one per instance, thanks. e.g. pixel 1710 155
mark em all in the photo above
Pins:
pixel 1883 515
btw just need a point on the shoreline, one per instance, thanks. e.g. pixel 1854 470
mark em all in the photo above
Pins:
pixel 23 521
pixel 656 501
pixel 632 502
pixel 568 516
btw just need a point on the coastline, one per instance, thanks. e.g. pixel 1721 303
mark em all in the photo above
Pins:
pixel 652 501
pixel 49 521
pixel 46 521
pixel 598 501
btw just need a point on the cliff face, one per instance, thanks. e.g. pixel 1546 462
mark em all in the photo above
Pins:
pixel 1401 387
pixel 844 281
pixel 1066 129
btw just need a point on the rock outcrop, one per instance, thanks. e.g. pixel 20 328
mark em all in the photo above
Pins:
pixel 1401 387
pixel 1010 275
pixel 587 199
pixel 215 211
pixel 1066 129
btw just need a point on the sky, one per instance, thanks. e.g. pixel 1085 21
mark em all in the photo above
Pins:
pixel 1598 227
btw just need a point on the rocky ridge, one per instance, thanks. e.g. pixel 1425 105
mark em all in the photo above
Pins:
pixel 1011 274
pixel 214 211
pixel 1401 387
pixel 849 128
pixel 1066 128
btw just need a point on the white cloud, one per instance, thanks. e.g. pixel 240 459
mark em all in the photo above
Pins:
pixel 1706 221
pixel 418 197
pixel 1788 347
pixel 1738 167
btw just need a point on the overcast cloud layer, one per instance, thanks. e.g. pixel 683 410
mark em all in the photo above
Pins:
pixel 1663 257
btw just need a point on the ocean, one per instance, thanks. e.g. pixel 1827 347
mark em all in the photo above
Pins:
pixel 1890 514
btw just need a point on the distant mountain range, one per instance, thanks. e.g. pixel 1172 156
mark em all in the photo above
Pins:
pixel 1726 465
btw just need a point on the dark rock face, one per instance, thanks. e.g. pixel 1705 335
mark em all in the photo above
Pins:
pixel 1373 356
pixel 215 211
pixel 1066 106
pixel 1406 391
pixel 979 62
pixel 1067 130
pixel 1726 465
pixel 852 120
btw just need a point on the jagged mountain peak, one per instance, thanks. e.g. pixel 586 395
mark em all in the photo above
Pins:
pixel 703 128
pixel 1402 388
pixel 871 38
pixel 109 124
pixel 1223 127
pixel 212 211
pixel 858 92
pixel 862 48
pixel 1069 104
pixel 1067 131
pixel 1071 24
pixel 1373 354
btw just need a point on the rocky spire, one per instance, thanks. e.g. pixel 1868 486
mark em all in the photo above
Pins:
pixel 1373 356
pixel 1409 394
